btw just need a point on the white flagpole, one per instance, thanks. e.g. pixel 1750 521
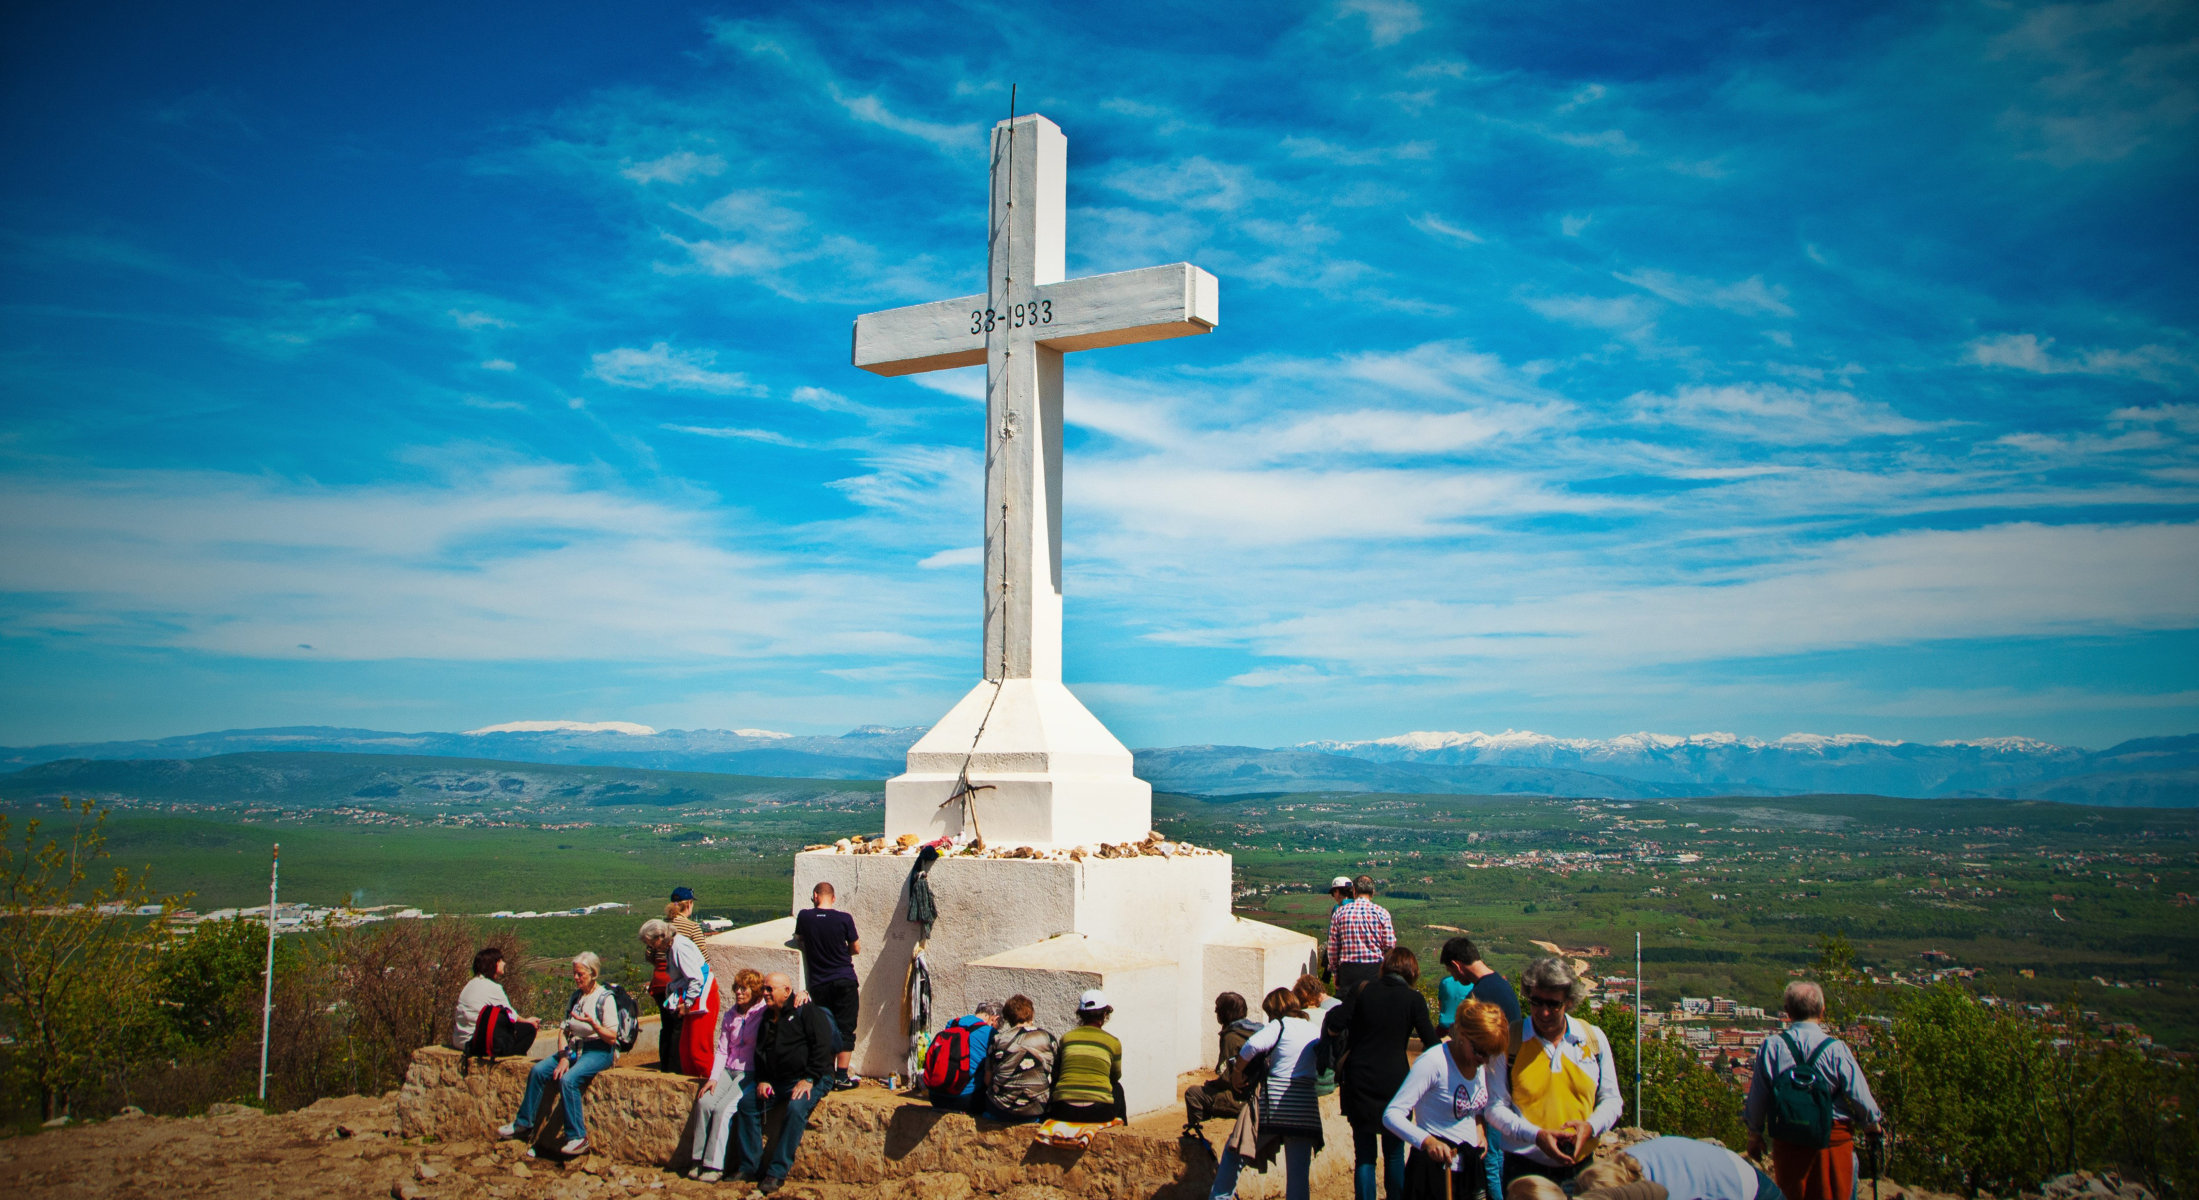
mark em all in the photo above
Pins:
pixel 267 1002
pixel 1638 1119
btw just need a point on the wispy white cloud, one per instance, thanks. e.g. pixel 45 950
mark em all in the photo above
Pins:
pixel 2030 352
pixel 1388 21
pixel 1774 414
pixel 662 366
pixel 516 561
pixel 680 166
pixel 766 436
pixel 960 556
pixel 1749 297
pixel 1435 226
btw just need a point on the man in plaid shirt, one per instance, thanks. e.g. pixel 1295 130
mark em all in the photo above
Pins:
pixel 1360 933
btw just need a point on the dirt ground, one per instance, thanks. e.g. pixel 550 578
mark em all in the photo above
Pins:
pixel 341 1147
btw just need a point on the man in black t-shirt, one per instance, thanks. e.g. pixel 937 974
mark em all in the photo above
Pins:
pixel 829 946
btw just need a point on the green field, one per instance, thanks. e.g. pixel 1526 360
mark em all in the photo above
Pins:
pixel 2074 895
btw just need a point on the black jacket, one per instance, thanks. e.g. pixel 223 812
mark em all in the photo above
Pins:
pixel 1377 1021
pixel 795 1044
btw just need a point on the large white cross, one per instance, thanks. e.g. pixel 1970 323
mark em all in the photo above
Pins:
pixel 1027 319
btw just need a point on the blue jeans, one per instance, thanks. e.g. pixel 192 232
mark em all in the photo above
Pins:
pixel 1366 1135
pixel 1297 1170
pixel 748 1125
pixel 576 1077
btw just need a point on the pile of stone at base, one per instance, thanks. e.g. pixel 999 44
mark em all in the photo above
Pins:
pixel 907 845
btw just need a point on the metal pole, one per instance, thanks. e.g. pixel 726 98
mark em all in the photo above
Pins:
pixel 267 1002
pixel 1638 1120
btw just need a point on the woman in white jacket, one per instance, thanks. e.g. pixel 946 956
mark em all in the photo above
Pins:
pixel 1438 1109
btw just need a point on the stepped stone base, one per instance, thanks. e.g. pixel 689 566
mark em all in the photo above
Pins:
pixel 1155 933
pixel 867 1137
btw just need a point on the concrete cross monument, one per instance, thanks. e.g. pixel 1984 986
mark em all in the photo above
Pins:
pixel 1052 881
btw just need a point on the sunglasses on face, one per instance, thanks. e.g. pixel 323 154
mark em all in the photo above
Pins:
pixel 1541 1002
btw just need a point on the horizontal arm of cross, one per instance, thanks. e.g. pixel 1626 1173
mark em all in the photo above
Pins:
pixel 1145 305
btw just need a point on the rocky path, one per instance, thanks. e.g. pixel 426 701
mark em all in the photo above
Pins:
pixel 342 1147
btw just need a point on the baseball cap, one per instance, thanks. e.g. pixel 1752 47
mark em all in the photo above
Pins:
pixel 683 893
pixel 1342 882
pixel 1094 1000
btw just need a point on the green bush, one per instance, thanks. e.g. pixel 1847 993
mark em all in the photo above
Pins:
pixel 1679 1095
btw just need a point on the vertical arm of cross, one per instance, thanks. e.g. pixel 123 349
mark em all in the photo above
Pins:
pixel 1023 405
pixel 1028 317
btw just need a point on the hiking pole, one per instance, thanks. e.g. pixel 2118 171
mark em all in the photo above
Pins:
pixel 267 1001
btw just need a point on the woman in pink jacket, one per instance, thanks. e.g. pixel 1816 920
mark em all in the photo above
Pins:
pixel 732 1056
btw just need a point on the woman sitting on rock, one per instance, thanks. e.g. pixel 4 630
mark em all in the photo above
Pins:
pixel 733 1057
pixel 591 1044
pixel 1088 1067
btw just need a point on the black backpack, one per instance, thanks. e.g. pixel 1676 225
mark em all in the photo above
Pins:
pixel 1801 1098
pixel 498 1032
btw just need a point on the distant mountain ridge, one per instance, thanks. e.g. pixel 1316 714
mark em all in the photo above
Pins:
pixel 2147 772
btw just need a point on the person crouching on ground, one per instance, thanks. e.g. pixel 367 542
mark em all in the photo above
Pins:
pixel 1810 1163
pixel 690 995
pixel 1438 1108
pixel 1088 1067
pixel 1560 1092
pixel 1224 1095
pixel 732 1062
pixel 1019 1068
pixel 794 1049
pixel 590 1045
pixel 1681 1167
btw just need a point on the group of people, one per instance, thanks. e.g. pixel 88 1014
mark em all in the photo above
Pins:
pixel 1506 1099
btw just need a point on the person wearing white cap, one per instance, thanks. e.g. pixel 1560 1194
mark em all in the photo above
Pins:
pixel 1088 1067
pixel 1339 896
pixel 1360 933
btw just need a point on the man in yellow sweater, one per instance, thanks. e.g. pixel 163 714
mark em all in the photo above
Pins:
pixel 1553 1097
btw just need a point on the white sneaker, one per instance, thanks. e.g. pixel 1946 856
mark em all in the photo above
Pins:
pixel 507 1132
pixel 576 1146
pixel 711 1176
pixel 695 1172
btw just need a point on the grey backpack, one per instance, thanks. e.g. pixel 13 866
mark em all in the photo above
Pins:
pixel 1019 1073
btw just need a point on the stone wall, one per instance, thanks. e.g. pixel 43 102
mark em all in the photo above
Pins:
pixel 863 1137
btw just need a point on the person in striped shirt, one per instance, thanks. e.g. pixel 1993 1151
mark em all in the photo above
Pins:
pixel 1360 933
pixel 1088 1067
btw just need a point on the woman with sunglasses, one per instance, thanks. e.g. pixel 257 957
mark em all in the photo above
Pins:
pixel 1438 1109
pixel 1559 1092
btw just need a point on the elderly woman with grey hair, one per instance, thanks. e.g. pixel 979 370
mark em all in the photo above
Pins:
pixel 590 1045
pixel 690 999
pixel 1553 1097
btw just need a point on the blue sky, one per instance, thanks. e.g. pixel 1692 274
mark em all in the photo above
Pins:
pixel 1583 368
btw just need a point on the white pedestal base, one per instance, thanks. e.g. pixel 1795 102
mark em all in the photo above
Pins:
pixel 1155 933
pixel 1056 776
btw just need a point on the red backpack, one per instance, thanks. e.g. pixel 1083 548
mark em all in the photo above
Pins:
pixel 947 1061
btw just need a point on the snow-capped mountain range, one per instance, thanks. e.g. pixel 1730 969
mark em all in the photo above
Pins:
pixel 2159 772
